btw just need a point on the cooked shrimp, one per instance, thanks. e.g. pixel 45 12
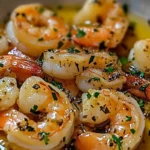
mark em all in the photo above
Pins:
pixel 64 65
pixel 126 121
pixel 18 67
pixel 9 92
pixel 100 79
pixel 140 55
pixel 55 118
pixel 33 29
pixel 107 24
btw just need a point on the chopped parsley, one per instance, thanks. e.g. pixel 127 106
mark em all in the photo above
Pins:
pixel 54 96
pixel 102 46
pixel 135 71
pixel 125 8
pixel 128 118
pixel 94 79
pixel 80 33
pixel 88 95
pixel 60 44
pixel 40 9
pixel 44 136
pixel 1 65
pixel 132 131
pixel 124 60
pixel 109 69
pixel 94 118
pixel 96 94
pixel 72 49
pixel 118 141
pixel 104 109
pixel 57 84
pixel 34 110
pixel 143 87
pixel 41 39
pixel 40 60
pixel 55 29
pixel 91 59
pixel 141 103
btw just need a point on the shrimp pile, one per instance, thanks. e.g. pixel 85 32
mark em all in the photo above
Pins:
pixel 62 87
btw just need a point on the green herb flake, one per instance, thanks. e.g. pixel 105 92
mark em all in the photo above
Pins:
pixel 55 29
pixel 96 94
pixel 80 33
pixel 132 131
pixel 102 46
pixel 94 118
pixel 141 103
pixel 72 49
pixel 94 79
pixel 60 44
pixel 1 65
pixel 41 39
pixel 57 84
pixel 40 9
pixel 34 110
pixel 143 87
pixel 109 69
pixel 136 72
pixel 54 96
pixel 91 59
pixel 124 60
pixel 44 136
pixel 125 8
pixel 89 95
pixel 118 141
pixel 128 118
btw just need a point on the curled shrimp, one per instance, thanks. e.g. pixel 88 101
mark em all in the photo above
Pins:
pixel 126 121
pixel 9 92
pixel 53 124
pixel 33 29
pixel 99 79
pixel 107 24
pixel 64 65
pixel 139 55
pixel 18 67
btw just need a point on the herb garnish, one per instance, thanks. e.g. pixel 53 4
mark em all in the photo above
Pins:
pixel 40 9
pixel 91 59
pixel 80 33
pixel 1 65
pixel 88 95
pixel 134 71
pixel 118 141
pixel 125 8
pixel 141 103
pixel 124 60
pixel 143 87
pixel 128 118
pixel 34 110
pixel 44 136
pixel 54 96
pixel 94 79
pixel 104 109
pixel 132 131
pixel 96 94
pixel 57 84
pixel 72 49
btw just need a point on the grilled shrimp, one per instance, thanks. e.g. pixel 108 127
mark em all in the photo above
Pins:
pixel 18 67
pixel 52 118
pixel 107 24
pixel 9 92
pixel 140 55
pixel 64 65
pixel 100 79
pixel 126 121
pixel 33 29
